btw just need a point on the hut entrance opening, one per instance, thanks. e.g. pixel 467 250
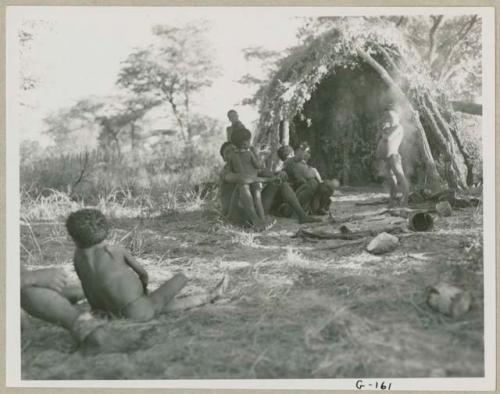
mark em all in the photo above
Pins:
pixel 340 122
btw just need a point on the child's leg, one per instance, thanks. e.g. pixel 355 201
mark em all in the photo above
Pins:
pixel 146 307
pixel 256 192
pixel 198 300
pixel 243 202
pixel 167 291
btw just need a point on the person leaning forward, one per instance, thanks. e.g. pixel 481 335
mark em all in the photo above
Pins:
pixel 237 202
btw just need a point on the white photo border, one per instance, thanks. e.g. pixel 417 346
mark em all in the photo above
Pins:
pixel 15 15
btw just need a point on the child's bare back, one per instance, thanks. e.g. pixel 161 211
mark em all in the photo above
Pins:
pixel 109 283
pixel 244 162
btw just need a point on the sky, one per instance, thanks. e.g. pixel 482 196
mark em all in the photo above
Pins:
pixel 77 53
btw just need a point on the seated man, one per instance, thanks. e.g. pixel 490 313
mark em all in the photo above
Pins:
pixel 238 203
pixel 313 194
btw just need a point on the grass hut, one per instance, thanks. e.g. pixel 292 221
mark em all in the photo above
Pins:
pixel 331 92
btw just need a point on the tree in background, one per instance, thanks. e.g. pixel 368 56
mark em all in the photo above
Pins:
pixel 29 77
pixel 172 69
pixel 108 122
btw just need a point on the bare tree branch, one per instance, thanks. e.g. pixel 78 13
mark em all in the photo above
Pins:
pixel 400 21
pixel 82 171
pixel 464 31
pixel 436 21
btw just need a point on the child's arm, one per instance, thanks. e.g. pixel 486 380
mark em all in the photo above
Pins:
pixel 316 175
pixel 141 272
pixel 255 159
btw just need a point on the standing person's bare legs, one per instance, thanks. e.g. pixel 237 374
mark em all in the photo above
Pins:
pixel 397 170
pixel 393 183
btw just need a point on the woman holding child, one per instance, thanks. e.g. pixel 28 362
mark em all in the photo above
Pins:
pixel 312 193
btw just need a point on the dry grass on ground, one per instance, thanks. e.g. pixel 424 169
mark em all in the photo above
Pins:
pixel 294 308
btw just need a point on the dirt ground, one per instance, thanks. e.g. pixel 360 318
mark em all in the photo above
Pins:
pixel 294 308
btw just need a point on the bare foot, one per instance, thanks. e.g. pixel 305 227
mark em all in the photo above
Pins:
pixel 266 225
pixel 183 303
pixel 309 219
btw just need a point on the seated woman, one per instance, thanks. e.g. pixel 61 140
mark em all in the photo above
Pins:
pixel 238 203
pixel 312 192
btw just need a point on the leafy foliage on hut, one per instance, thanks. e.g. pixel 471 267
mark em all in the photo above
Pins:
pixel 332 90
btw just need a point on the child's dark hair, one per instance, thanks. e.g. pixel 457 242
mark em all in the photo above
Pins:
pixel 239 135
pixel 284 151
pixel 87 227
pixel 223 147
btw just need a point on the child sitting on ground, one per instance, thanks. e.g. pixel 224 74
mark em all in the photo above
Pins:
pixel 306 179
pixel 243 160
pixel 114 283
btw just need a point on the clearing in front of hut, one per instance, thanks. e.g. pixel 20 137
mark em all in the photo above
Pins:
pixel 295 307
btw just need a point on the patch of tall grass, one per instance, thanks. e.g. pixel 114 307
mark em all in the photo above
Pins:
pixel 136 184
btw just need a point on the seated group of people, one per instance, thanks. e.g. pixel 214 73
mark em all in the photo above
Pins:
pixel 116 285
pixel 249 192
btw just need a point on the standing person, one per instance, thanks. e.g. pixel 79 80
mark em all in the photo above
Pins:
pixel 233 117
pixel 390 138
